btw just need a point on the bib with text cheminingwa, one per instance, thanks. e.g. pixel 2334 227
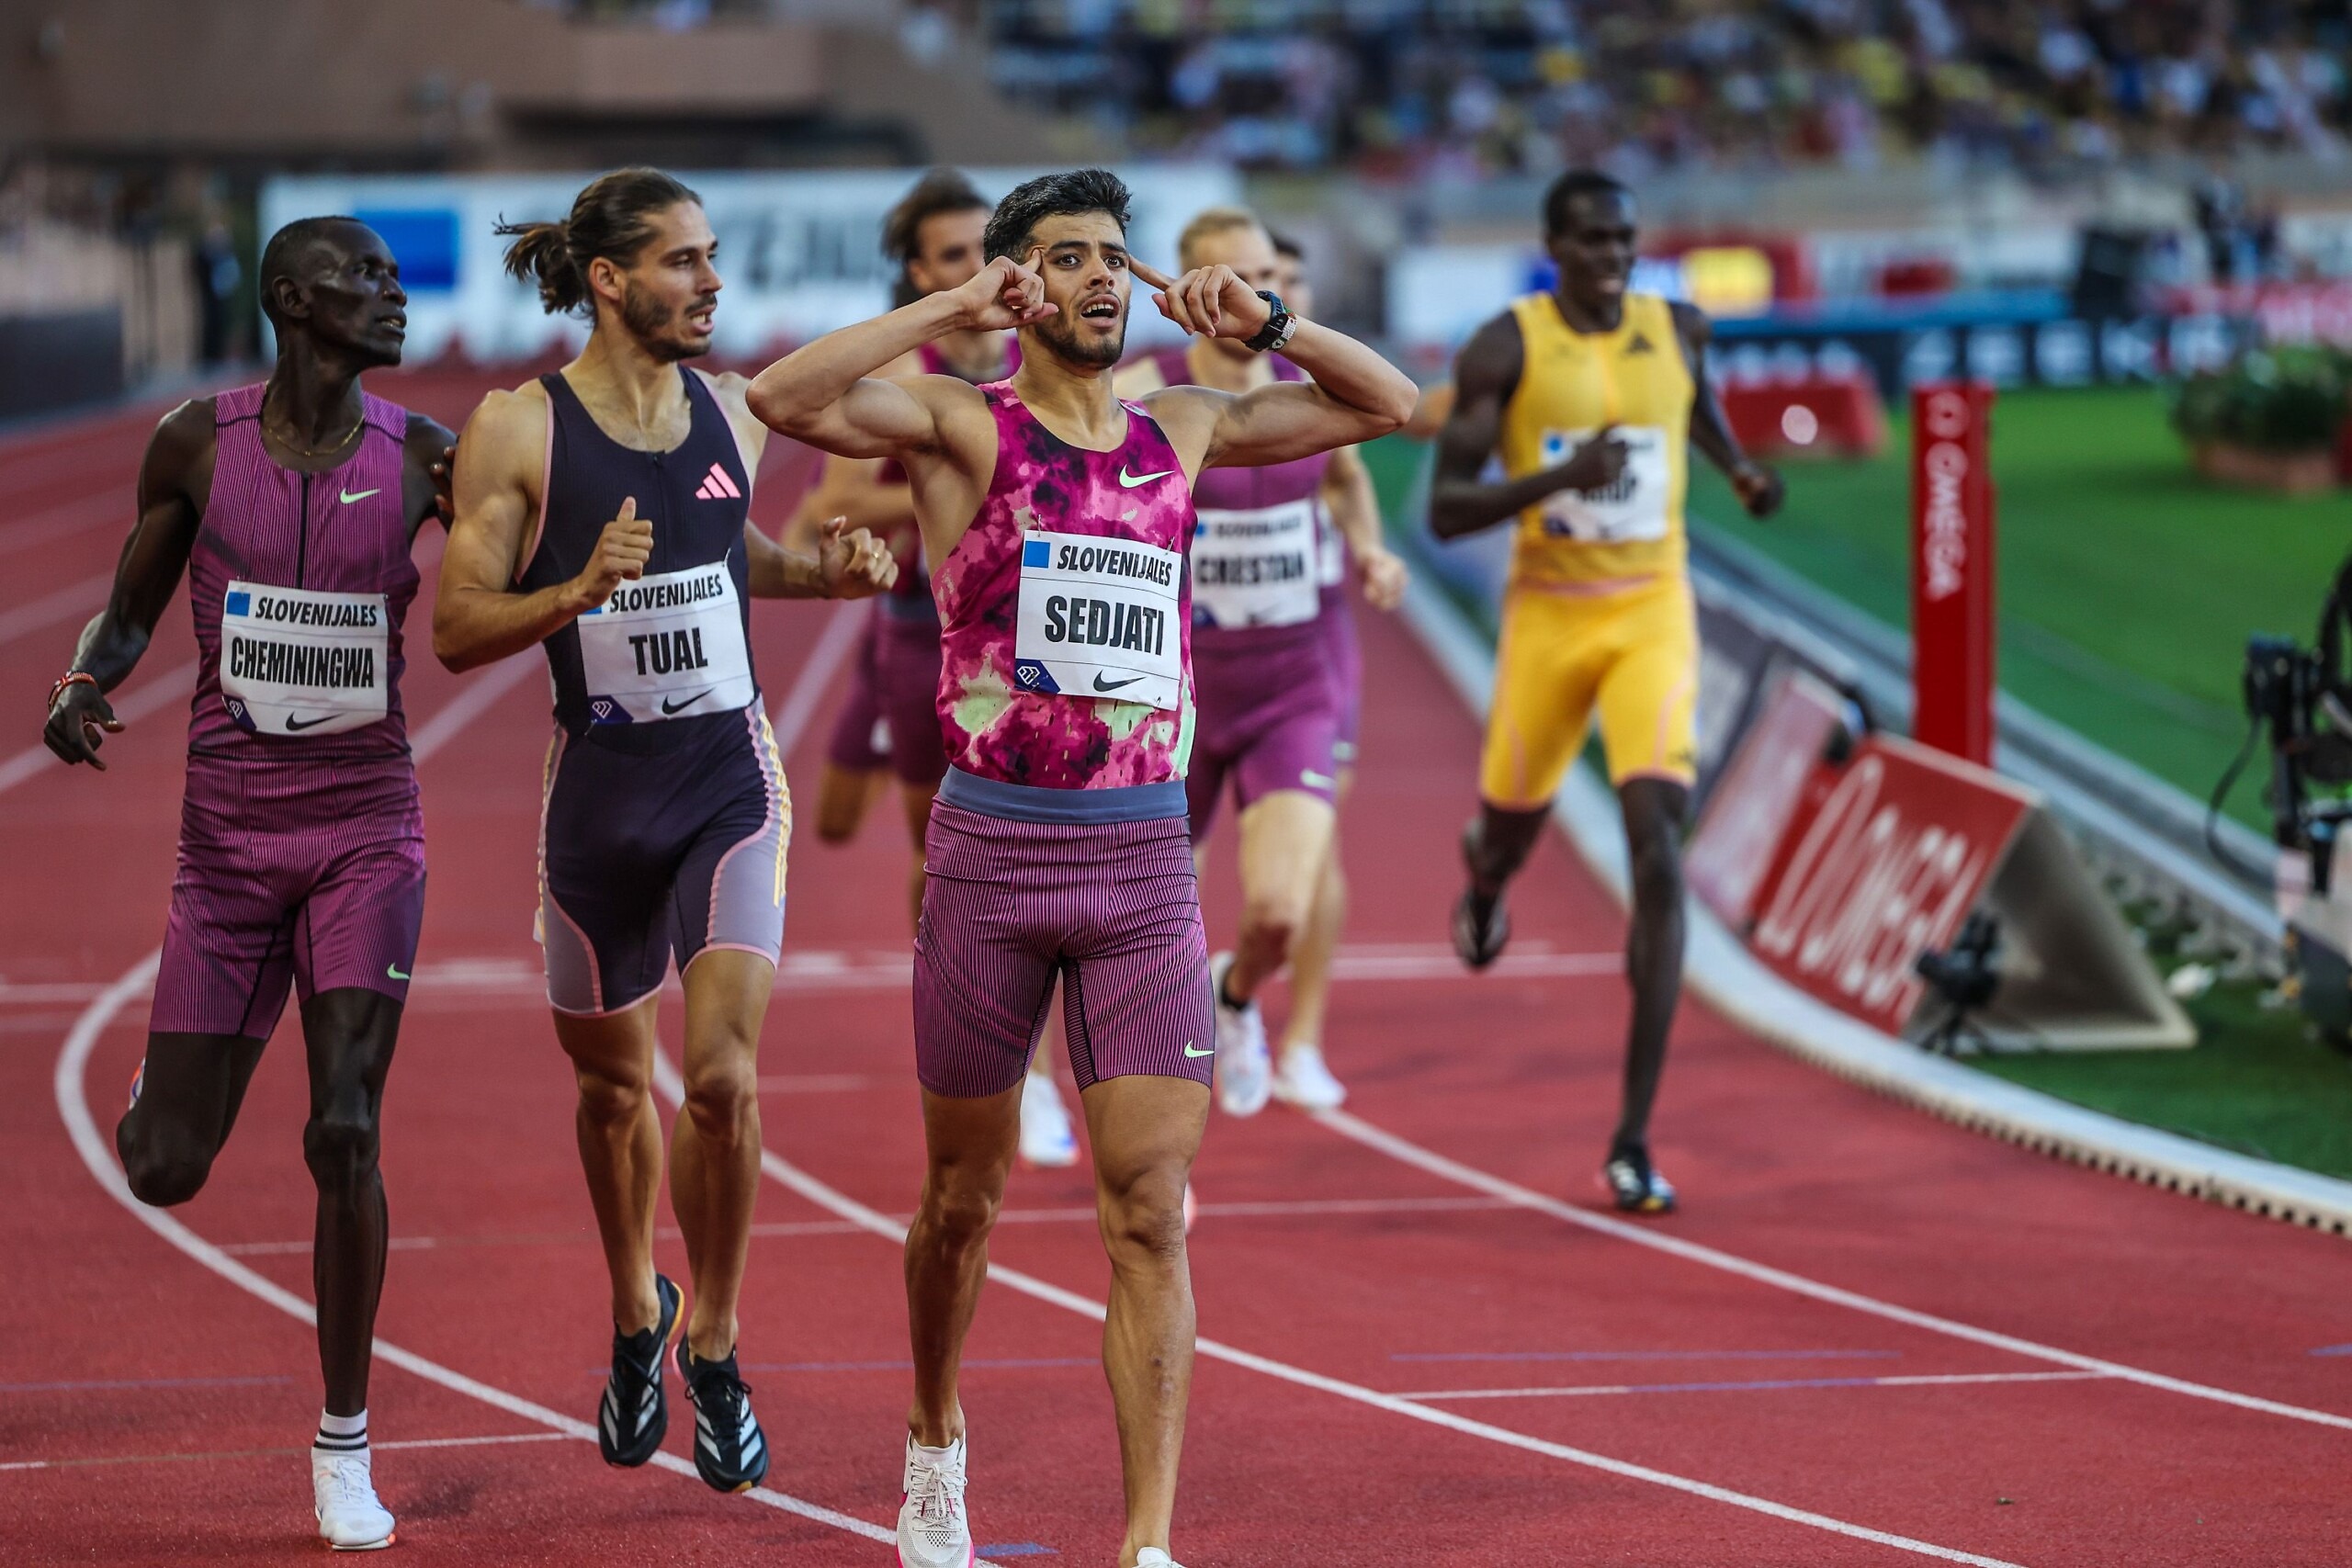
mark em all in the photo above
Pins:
pixel 1632 508
pixel 667 646
pixel 1098 619
pixel 1256 567
pixel 299 663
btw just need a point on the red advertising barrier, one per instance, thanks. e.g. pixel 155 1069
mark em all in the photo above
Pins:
pixel 2286 312
pixel 1818 414
pixel 1952 569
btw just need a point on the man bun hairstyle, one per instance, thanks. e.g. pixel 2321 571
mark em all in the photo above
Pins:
pixel 939 191
pixel 1569 187
pixel 612 218
pixel 1053 196
pixel 1209 223
pixel 283 256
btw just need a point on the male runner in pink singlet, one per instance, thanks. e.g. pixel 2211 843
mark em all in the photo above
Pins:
pixel 1057 517
pixel 291 506
pixel 1272 712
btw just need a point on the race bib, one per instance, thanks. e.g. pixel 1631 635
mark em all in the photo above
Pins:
pixel 666 647
pixel 1098 619
pixel 297 663
pixel 1257 567
pixel 1332 569
pixel 1629 510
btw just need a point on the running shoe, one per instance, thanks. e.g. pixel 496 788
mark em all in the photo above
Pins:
pixel 1152 1557
pixel 1046 1137
pixel 635 1414
pixel 1479 933
pixel 731 1451
pixel 1305 1079
pixel 342 1492
pixel 1245 1069
pixel 138 1080
pixel 1634 1183
pixel 932 1529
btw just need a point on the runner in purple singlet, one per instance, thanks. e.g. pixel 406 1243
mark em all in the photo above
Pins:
pixel 1058 516
pixel 1272 712
pixel 291 507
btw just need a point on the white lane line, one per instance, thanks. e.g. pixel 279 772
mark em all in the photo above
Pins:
pixel 62 605
pixel 70 517
pixel 198 1458
pixel 1414 1155
pixel 1924 1380
pixel 160 693
pixel 475 698
pixel 834 644
pixel 672 1088
pixel 73 1109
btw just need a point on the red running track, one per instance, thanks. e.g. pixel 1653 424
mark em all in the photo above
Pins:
pixel 1428 1341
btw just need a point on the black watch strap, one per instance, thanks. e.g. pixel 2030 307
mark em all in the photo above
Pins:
pixel 1280 324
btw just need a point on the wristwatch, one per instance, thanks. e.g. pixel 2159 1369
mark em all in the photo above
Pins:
pixel 1280 325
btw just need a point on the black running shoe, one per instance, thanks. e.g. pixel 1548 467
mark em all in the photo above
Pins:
pixel 634 1415
pixel 1478 937
pixel 731 1451
pixel 1636 1185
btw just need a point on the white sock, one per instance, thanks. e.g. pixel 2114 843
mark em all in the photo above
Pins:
pixel 933 1457
pixel 342 1434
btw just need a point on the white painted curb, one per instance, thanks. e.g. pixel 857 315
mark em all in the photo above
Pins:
pixel 1731 980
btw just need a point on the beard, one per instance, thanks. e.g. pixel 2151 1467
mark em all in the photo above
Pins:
pixel 658 327
pixel 1059 333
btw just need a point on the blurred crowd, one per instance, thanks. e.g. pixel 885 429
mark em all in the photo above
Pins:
pixel 1446 87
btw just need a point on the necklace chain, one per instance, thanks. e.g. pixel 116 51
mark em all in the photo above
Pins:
pixel 293 445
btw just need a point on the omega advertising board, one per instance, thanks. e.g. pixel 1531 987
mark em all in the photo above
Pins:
pixel 1842 859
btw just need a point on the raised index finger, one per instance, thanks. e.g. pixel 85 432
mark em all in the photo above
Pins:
pixel 1149 273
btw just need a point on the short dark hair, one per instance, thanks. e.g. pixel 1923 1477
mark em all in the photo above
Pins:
pixel 1286 246
pixel 284 254
pixel 610 217
pixel 1053 196
pixel 1572 184
pixel 940 191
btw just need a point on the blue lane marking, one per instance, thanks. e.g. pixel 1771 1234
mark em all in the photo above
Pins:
pixel 137 1382
pixel 1019 1549
pixel 2334 1350
pixel 1659 1355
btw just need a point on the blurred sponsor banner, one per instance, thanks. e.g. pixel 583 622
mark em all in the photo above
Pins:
pixel 799 250
pixel 2283 313
pixel 1841 860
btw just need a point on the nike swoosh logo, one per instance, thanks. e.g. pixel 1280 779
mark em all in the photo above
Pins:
pixel 1103 686
pixel 394 971
pixel 1190 1051
pixel 351 495
pixel 296 726
pixel 1129 482
pixel 1319 780
pixel 669 707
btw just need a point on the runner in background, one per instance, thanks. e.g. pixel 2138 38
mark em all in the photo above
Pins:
pixel 291 506
pixel 1593 396
pixel 933 235
pixel 1351 530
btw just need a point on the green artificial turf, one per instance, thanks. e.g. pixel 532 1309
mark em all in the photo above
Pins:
pixel 2128 586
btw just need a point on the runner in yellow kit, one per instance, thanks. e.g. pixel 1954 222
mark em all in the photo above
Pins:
pixel 1592 397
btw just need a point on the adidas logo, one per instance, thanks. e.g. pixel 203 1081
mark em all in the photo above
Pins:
pixel 717 486
pixel 1640 344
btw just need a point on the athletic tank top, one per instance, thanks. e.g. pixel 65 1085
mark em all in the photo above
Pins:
pixel 1257 543
pixel 1065 642
pixel 909 598
pixel 1570 385
pixel 671 651
pixel 298 583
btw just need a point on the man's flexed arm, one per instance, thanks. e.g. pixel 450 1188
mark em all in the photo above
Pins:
pixel 477 616
pixel 829 392
pixel 172 478
pixel 1486 374
pixel 1355 395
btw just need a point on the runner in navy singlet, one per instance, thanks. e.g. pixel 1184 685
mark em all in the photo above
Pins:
pixel 291 506
pixel 602 510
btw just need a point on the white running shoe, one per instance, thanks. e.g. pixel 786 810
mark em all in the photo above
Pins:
pixel 933 1531
pixel 1245 1070
pixel 1152 1557
pixel 1305 1079
pixel 344 1492
pixel 1046 1137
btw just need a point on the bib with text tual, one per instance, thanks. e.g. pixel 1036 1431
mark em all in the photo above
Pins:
pixel 666 645
pixel 296 663
pixel 1571 386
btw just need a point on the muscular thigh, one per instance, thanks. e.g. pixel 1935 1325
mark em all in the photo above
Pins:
pixel 1649 690
pixel 1547 671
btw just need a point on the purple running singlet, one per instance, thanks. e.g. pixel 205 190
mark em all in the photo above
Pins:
pixel 859 740
pixel 302 855
pixel 1341 649
pixel 1058 845
pixel 1270 711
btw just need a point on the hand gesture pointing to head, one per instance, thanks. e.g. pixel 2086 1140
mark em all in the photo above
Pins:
pixel 1208 301
pixel 1002 295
